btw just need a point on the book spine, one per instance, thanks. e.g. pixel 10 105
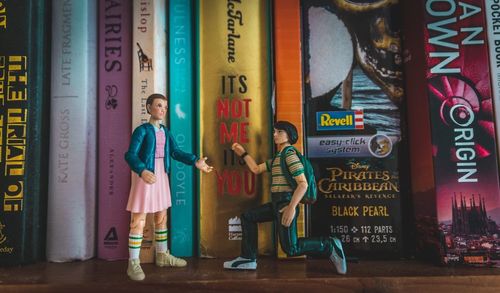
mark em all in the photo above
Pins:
pixel 148 77
pixel 492 14
pixel 234 106
pixel 419 132
pixel 72 167
pixel 354 90
pixel 182 125
pixel 149 55
pixel 458 84
pixel 23 129
pixel 288 76
pixel 114 110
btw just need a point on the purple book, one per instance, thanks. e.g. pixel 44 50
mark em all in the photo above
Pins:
pixel 114 107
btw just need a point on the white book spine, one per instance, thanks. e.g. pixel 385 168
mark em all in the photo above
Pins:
pixel 149 56
pixel 72 162
pixel 492 13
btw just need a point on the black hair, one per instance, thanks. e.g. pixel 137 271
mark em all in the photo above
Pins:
pixel 290 130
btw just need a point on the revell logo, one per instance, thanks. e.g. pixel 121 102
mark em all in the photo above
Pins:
pixel 340 120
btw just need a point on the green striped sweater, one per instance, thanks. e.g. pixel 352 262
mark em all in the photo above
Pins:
pixel 278 180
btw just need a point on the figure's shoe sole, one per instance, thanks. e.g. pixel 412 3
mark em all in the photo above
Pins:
pixel 240 265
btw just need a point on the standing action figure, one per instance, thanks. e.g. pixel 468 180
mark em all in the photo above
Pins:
pixel 151 147
pixel 283 209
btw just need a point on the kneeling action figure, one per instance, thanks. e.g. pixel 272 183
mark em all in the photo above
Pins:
pixel 151 147
pixel 283 209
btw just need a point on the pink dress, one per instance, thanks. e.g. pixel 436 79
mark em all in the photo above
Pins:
pixel 151 198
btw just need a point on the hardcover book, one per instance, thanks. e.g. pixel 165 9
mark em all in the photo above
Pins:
pixel 184 212
pixel 235 106
pixel 114 113
pixel 71 215
pixel 452 137
pixel 24 97
pixel 288 79
pixel 492 12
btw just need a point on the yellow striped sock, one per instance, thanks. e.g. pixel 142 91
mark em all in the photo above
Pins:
pixel 161 238
pixel 134 245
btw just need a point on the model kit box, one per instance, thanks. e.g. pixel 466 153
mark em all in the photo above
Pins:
pixel 354 92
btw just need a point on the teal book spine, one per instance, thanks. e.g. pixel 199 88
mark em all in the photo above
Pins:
pixel 182 124
pixel 24 59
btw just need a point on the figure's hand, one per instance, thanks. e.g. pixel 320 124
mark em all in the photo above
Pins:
pixel 238 149
pixel 287 216
pixel 202 165
pixel 148 176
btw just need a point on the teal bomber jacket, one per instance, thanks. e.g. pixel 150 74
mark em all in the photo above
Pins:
pixel 141 152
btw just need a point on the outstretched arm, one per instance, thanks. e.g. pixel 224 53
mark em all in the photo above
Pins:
pixel 203 166
pixel 177 154
pixel 252 165
pixel 187 158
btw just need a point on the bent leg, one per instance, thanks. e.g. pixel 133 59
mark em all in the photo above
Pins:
pixel 249 220
pixel 294 246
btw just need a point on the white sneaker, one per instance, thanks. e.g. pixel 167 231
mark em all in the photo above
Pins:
pixel 134 270
pixel 241 263
pixel 337 257
pixel 165 259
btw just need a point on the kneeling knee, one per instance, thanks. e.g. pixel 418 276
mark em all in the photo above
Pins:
pixel 290 250
pixel 246 216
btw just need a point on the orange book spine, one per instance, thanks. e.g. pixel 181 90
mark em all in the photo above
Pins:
pixel 288 77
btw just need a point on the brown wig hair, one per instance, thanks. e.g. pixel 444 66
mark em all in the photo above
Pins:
pixel 153 97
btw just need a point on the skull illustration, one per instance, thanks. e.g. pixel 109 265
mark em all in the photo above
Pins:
pixel 374 27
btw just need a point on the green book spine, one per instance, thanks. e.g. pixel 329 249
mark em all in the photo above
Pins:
pixel 24 31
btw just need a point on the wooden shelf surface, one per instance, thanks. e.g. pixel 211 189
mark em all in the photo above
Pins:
pixel 207 275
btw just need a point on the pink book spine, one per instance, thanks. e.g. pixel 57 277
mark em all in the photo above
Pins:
pixel 115 112
pixel 459 88
pixel 463 128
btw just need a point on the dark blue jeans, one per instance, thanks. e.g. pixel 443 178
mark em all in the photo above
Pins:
pixel 290 243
